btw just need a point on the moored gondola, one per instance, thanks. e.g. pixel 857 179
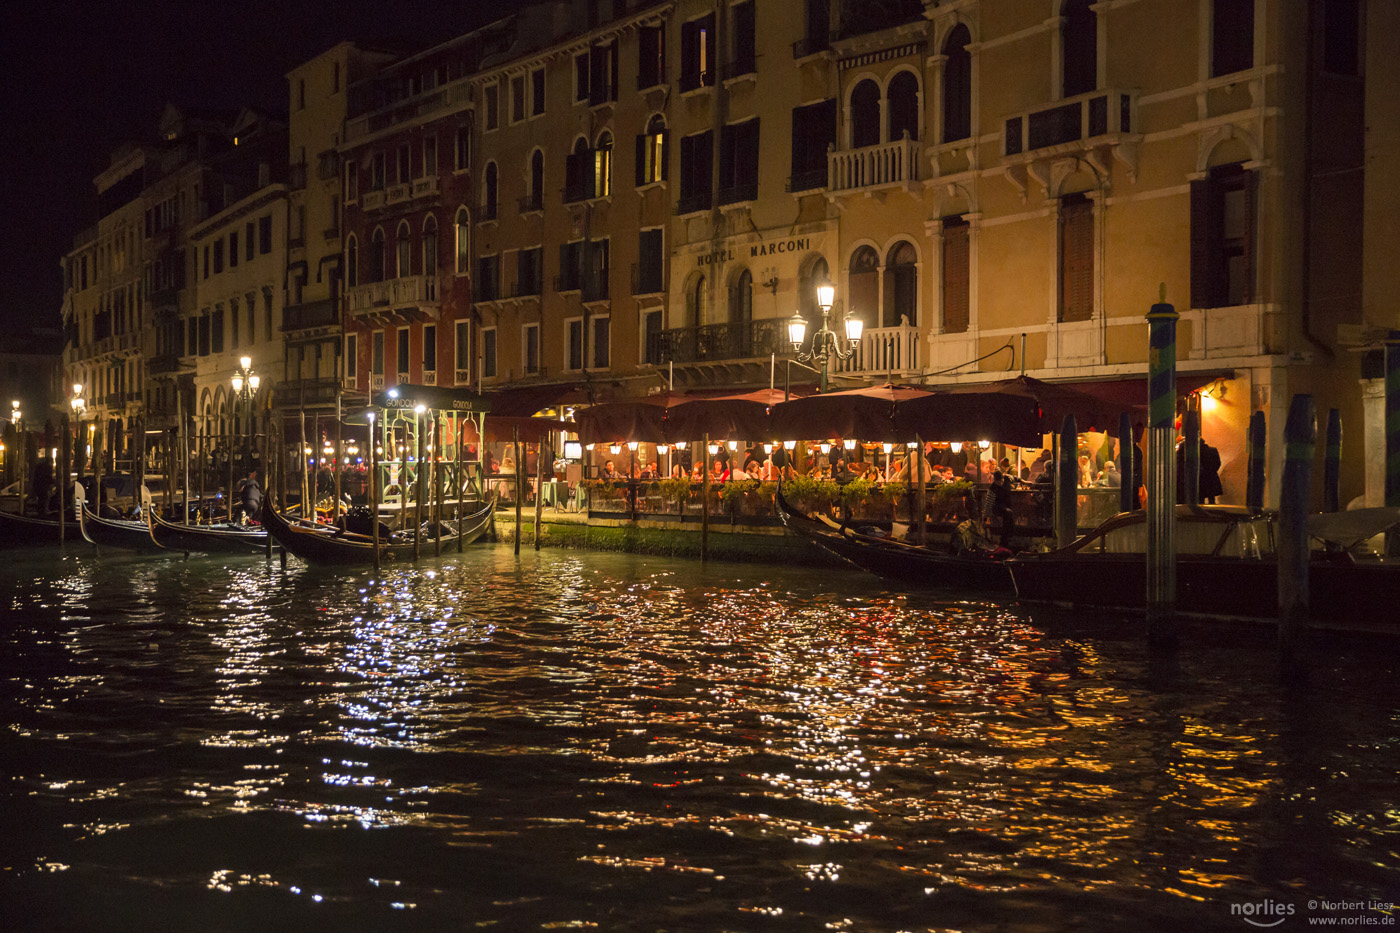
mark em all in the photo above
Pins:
pixel 206 539
pixel 324 544
pixel 31 529
pixel 127 534
pixel 920 565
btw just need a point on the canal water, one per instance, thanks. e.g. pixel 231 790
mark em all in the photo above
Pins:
pixel 579 740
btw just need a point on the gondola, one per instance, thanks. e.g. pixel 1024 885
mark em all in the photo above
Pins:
pixel 1226 566
pixel 127 534
pixel 920 565
pixel 219 538
pixel 30 529
pixel 324 544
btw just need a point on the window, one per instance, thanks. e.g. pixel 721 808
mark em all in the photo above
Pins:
pixel 738 162
pixel 463 149
pixel 573 343
pixel 956 276
pixel 233 249
pixel 430 257
pixel 1341 37
pixel 1076 258
pixel 581 71
pixel 957 85
pixel 488 192
pixel 863 284
pixel 1232 36
pixel 208 265
pixel 351 356
pixel 403 244
pixel 402 355
pixel 697 172
pixel 430 347
pixel 534 197
pixel 651 61
pixel 248 241
pixel 217 330
pixel 813 131
pixel 491 106
pixel 698 53
pixel 1079 44
pixel 651 264
pixel 537 92
pixel 376 256
pixel 463 349
pixel 252 303
pixel 743 31
pixel 488 352
pixel 651 337
pixel 218 256
pixel 901 285
pixel 267 312
pixel 602 166
pixel 741 302
pixel 601 342
pixel 264 235
pixel 377 172
pixel 488 278
pixel 405 164
pixel 902 98
pixel 530 348
pixel 430 166
pixel 595 284
pixel 602 76
pixel 817 36
pixel 865 114
pixel 570 266
pixel 652 152
pixel 461 229
pixel 517 98
pixel 578 173
pixel 697 302
pixel 1222 238
pixel 233 322
pixel 352 263
pixel 529 271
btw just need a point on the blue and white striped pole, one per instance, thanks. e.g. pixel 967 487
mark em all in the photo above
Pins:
pixel 1161 473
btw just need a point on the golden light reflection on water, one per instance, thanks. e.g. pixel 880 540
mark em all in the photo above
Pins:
pixel 772 733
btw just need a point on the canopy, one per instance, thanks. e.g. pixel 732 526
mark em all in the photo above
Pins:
pixel 1007 418
pixel 866 414
pixel 640 419
pixel 725 417
pixel 1091 412
pixel 406 396
pixel 532 430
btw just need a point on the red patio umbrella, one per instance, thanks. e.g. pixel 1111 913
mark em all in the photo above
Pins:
pixel 640 419
pixel 725 417
pixel 866 414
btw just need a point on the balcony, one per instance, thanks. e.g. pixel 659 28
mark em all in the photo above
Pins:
pixel 319 390
pixel 744 65
pixel 528 286
pixel 737 194
pixel 884 165
pixel 569 280
pixel 378 296
pixel 694 80
pixel 372 200
pixel 691 203
pixel 531 203
pixel 890 350
pixel 813 180
pixel 596 288
pixel 719 342
pixel 310 314
pixel 486 213
pixel 1071 124
pixel 397 194
pixel 426 187
pixel 430 377
pixel 810 45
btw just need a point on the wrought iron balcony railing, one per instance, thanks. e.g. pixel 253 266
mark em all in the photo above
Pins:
pixel 717 342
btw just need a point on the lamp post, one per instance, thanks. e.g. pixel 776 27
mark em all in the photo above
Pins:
pixel 79 405
pixel 245 386
pixel 825 343
pixel 16 418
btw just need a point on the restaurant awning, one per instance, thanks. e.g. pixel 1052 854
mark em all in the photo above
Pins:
pixel 640 419
pixel 865 414
pixel 741 417
pixel 406 396
pixel 525 401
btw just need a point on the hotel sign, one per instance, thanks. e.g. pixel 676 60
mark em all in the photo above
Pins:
pixel 720 256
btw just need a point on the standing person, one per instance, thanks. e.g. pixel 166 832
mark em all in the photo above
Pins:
pixel 250 495
pixel 996 507
pixel 1210 473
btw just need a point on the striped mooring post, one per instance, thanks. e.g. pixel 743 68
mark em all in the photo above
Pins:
pixel 1254 483
pixel 1300 439
pixel 1332 463
pixel 1161 473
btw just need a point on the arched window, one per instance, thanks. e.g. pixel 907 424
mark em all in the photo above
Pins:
pixel 1079 47
pixel 863 285
pixel 602 166
pixel 865 114
pixel 697 302
pixel 903 97
pixel 489 188
pixel 430 257
pixel 352 262
pixel 376 256
pixel 741 299
pixel 462 227
pixel 403 247
pixel 901 285
pixel 817 273
pixel 957 85
pixel 651 151
pixel 536 180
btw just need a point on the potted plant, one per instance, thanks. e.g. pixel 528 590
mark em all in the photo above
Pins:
pixel 675 490
pixel 854 493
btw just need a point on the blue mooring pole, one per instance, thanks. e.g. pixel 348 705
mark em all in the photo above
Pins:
pixel 1067 485
pixel 1127 492
pixel 1332 463
pixel 1254 484
pixel 1161 473
pixel 1300 438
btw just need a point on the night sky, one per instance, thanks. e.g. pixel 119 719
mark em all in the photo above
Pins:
pixel 80 78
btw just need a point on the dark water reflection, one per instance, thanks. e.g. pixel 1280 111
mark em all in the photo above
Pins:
pixel 582 740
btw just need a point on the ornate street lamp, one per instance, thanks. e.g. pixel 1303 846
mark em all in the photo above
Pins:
pixel 245 386
pixel 825 342
pixel 79 404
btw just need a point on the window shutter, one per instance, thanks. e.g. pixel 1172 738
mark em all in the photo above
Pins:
pixel 955 277
pixel 665 152
pixel 1205 245
pixel 641 159
pixel 1251 190
pixel 690 63
pixel 1076 260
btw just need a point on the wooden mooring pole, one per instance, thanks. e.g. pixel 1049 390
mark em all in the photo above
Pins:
pixel 1300 438
pixel 1161 475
